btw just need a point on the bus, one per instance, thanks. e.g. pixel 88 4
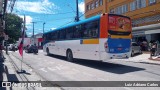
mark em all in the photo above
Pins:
pixel 102 37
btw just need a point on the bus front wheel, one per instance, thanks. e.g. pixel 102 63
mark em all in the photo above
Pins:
pixel 69 56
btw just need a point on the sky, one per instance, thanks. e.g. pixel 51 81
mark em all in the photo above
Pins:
pixel 55 13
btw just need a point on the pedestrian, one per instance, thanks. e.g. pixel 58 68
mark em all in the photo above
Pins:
pixel 150 46
pixel 1 52
pixel 153 49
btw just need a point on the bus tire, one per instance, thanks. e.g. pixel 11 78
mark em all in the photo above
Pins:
pixel 48 53
pixel 69 56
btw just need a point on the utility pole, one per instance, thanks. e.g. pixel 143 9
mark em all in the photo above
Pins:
pixel 33 32
pixel 77 12
pixel 43 27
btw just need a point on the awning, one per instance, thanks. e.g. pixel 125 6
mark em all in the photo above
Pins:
pixel 138 33
pixel 152 31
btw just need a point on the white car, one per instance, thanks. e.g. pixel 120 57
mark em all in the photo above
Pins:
pixel 135 49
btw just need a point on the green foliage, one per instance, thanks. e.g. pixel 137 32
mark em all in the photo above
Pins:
pixel 13 27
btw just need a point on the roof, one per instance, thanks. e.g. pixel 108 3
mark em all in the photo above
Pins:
pixel 77 23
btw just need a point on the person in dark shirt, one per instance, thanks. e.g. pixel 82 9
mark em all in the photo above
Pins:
pixel 153 49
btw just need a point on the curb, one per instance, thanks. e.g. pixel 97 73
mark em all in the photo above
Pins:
pixel 156 59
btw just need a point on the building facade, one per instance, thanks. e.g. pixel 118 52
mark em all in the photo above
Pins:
pixel 145 15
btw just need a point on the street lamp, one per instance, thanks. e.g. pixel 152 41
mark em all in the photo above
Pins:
pixel 43 27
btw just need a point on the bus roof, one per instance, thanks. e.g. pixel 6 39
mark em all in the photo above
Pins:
pixel 77 23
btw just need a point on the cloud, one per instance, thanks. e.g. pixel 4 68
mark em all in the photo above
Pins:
pixel 53 28
pixel 28 19
pixel 40 6
pixel 81 7
pixel 29 33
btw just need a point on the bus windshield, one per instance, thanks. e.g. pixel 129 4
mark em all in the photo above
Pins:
pixel 119 25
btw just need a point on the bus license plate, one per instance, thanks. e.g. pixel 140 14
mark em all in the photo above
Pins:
pixel 119 55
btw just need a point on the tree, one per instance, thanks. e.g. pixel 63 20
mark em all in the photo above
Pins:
pixel 13 27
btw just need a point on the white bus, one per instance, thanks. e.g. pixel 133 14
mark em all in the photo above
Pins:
pixel 100 37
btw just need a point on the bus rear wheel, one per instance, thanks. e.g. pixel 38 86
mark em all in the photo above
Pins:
pixel 69 56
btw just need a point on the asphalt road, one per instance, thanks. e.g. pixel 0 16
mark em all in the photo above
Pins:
pixel 56 68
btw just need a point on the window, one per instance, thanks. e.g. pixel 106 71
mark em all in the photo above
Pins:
pixel 88 7
pixel 77 31
pixel 119 10
pixel 110 0
pixel 62 34
pixel 143 3
pixel 140 3
pixel 54 35
pixel 92 6
pixel 152 2
pixel 90 29
pixel 112 10
pixel 100 2
pixel 125 8
pixel 97 3
pixel 69 33
pixel 133 6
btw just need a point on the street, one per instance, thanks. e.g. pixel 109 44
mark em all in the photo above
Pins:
pixel 56 68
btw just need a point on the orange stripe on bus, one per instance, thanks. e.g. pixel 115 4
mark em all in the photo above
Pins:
pixel 91 41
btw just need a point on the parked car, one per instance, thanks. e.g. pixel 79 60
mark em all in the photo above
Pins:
pixel 9 47
pixel 31 49
pixel 135 49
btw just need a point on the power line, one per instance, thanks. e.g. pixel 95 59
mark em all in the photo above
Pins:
pixel 51 14
pixel 70 7
pixel 56 19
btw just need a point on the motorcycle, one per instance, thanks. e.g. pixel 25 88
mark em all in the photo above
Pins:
pixel 35 50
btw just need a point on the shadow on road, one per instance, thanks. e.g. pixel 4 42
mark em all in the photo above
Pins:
pixel 104 66
pixel 137 54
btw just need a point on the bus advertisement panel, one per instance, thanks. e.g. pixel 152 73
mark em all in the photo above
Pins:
pixel 117 23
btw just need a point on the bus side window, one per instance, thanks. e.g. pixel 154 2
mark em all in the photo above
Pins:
pixel 91 30
pixel 69 33
pixel 54 35
pixel 49 36
pixel 94 29
pixel 85 30
pixel 77 31
pixel 62 34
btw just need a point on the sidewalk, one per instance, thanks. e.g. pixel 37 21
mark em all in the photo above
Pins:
pixel 145 58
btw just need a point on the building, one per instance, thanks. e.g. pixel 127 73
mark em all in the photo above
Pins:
pixel 38 40
pixel 145 15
